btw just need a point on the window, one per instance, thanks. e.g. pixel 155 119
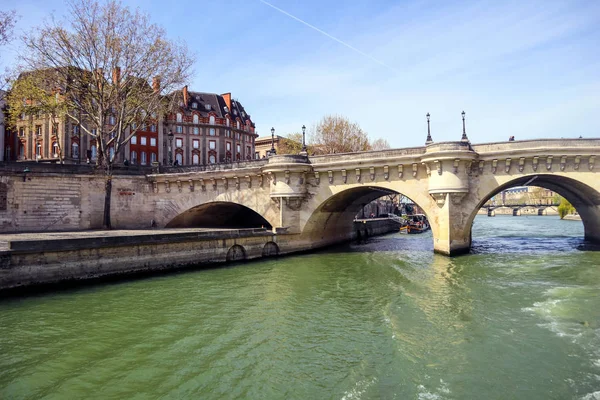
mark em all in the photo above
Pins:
pixel 238 148
pixel 211 120
pixel 94 152
pixel 133 157
pixel 212 158
pixel 196 118
pixel 228 121
pixel 212 132
pixel 179 143
pixel 153 142
pixel 111 153
pixel 179 117
pixel 153 128
pixel 227 133
pixel 228 146
pixel 54 149
pixel 196 144
pixel 237 124
pixel 22 132
pixel 38 150
pixel 256 155
pixel 179 158
pixel 234 112
pixel 207 107
pixel 194 105
pixel 152 157
pixel 247 150
pixel 179 129
pixel 111 120
pixel 75 130
pixel 38 130
pixel 134 139
pixel 212 144
pixel 143 140
pixel 94 131
pixel 75 150
pixel 143 158
pixel 237 136
pixel 196 130
pixel 195 159
pixel 133 126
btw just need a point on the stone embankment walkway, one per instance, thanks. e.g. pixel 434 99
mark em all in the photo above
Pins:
pixel 34 240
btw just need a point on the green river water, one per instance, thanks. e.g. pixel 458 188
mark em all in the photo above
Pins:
pixel 519 318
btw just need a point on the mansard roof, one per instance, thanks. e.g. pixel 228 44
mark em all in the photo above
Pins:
pixel 217 103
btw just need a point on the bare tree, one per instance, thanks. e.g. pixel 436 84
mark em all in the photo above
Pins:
pixel 380 144
pixel 114 67
pixel 336 134
pixel 290 144
pixel 8 20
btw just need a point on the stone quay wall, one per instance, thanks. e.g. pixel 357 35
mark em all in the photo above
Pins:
pixel 71 257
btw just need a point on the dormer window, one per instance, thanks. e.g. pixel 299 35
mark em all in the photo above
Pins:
pixel 228 121
pixel 243 114
pixel 211 120
pixel 226 109
pixel 238 124
pixel 194 105
pixel 179 117
pixel 207 107
pixel 234 112
pixel 195 118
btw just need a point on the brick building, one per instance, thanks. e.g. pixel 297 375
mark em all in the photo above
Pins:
pixel 207 128
pixel 202 128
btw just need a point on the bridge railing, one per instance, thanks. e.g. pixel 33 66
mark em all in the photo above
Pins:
pixel 168 169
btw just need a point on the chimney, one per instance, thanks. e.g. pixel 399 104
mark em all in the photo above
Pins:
pixel 156 84
pixel 185 96
pixel 116 75
pixel 227 98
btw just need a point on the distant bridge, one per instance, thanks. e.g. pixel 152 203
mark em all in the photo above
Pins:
pixel 516 208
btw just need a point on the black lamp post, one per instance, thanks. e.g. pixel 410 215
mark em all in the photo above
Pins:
pixel 25 172
pixel 429 140
pixel 303 152
pixel 464 135
pixel 170 135
pixel 273 152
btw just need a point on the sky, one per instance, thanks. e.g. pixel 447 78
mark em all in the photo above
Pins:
pixel 529 69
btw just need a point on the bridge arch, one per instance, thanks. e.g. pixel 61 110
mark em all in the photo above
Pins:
pixel 583 197
pixel 332 218
pixel 219 214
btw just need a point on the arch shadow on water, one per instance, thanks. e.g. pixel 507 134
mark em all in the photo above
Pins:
pixel 219 214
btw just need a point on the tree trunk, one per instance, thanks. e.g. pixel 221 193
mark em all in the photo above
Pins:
pixel 107 197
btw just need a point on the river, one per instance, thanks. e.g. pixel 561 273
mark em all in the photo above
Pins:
pixel 519 318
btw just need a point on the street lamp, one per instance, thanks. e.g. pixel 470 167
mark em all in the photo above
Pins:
pixel 273 152
pixel 429 140
pixel 25 172
pixel 464 135
pixel 170 135
pixel 304 152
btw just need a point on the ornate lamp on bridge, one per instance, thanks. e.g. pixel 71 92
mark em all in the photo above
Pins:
pixel 429 140
pixel 273 152
pixel 464 135
pixel 170 135
pixel 304 152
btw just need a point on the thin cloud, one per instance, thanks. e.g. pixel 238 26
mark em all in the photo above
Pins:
pixel 330 36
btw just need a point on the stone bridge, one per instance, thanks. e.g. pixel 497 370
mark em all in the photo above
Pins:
pixel 315 198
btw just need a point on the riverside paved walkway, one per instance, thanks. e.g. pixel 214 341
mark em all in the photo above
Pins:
pixel 21 240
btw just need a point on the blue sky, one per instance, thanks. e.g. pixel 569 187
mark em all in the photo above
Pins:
pixel 529 69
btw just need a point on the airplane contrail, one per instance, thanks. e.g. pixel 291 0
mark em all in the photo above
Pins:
pixel 329 36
